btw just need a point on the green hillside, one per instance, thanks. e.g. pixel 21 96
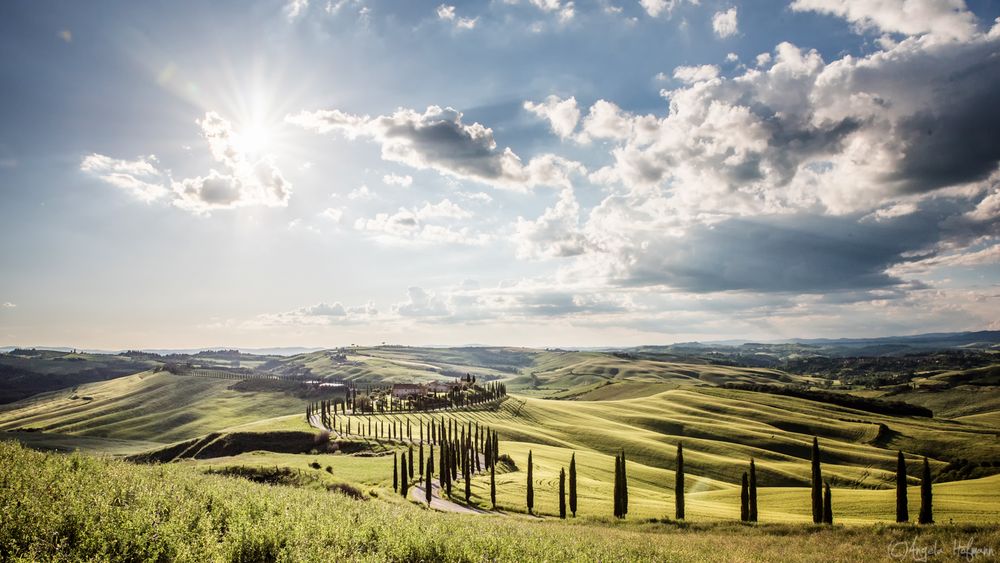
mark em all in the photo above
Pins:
pixel 111 510
pixel 154 406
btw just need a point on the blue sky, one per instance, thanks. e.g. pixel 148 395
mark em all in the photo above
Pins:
pixel 524 172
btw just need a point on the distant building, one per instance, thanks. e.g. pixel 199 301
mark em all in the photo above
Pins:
pixel 440 386
pixel 404 390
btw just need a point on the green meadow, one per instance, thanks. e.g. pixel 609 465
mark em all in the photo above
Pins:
pixel 260 483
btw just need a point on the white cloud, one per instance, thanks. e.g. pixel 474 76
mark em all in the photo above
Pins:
pixel 732 57
pixel 437 139
pixel 362 193
pixel 295 8
pixel 564 10
pixel 447 13
pixel 421 303
pixel 555 233
pixel 140 177
pixel 949 19
pixel 657 7
pixel 334 214
pixel 762 59
pixel 444 209
pixel 692 74
pixel 429 224
pixel 247 180
pixel 725 23
pixel 8 305
pixel 404 181
pixel 563 115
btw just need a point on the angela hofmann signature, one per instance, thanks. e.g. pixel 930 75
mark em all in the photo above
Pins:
pixel 912 551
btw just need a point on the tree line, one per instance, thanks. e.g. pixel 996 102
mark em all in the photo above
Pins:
pixel 821 493
pixel 463 450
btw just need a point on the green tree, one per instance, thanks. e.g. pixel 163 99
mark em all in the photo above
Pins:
pixel 562 493
pixel 427 479
pixel 411 461
pixel 404 484
pixel 618 486
pixel 395 472
pixel 902 508
pixel 827 507
pixel 572 484
pixel 493 486
pixel 817 484
pixel 624 487
pixel 679 484
pixel 753 491
pixel 745 498
pixel 531 486
pixel 421 456
pixel 926 510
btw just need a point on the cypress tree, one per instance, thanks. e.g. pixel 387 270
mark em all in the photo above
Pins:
pixel 404 484
pixel 427 478
pixel 441 469
pixel 572 484
pixel 817 484
pixel 531 486
pixel 745 498
pixel 679 484
pixel 618 487
pixel 926 510
pixel 421 458
pixel 468 482
pixel 493 486
pixel 395 472
pixel 753 491
pixel 902 508
pixel 562 493
pixel 624 487
pixel 827 507
pixel 411 461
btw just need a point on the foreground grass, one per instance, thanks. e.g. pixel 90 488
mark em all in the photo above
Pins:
pixel 72 507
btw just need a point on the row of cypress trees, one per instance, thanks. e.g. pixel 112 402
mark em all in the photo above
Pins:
pixel 822 511
pixel 821 494
pixel 464 450
pixel 926 514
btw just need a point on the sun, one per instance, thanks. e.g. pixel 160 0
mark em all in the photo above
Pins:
pixel 254 139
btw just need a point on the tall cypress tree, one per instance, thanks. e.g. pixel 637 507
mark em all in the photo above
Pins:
pixel 926 510
pixel 493 486
pixel 404 484
pixel 745 498
pixel 618 486
pixel 679 484
pixel 572 484
pixel 562 493
pixel 827 507
pixel 531 486
pixel 421 457
pixel 411 461
pixel 817 484
pixel 395 472
pixel 624 487
pixel 902 503
pixel 428 485
pixel 468 482
pixel 753 491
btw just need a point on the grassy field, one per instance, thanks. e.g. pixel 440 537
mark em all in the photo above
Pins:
pixel 588 403
pixel 117 511
pixel 149 406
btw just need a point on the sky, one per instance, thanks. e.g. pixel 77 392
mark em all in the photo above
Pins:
pixel 506 172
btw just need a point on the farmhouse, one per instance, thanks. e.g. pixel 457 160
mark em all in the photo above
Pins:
pixel 404 390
